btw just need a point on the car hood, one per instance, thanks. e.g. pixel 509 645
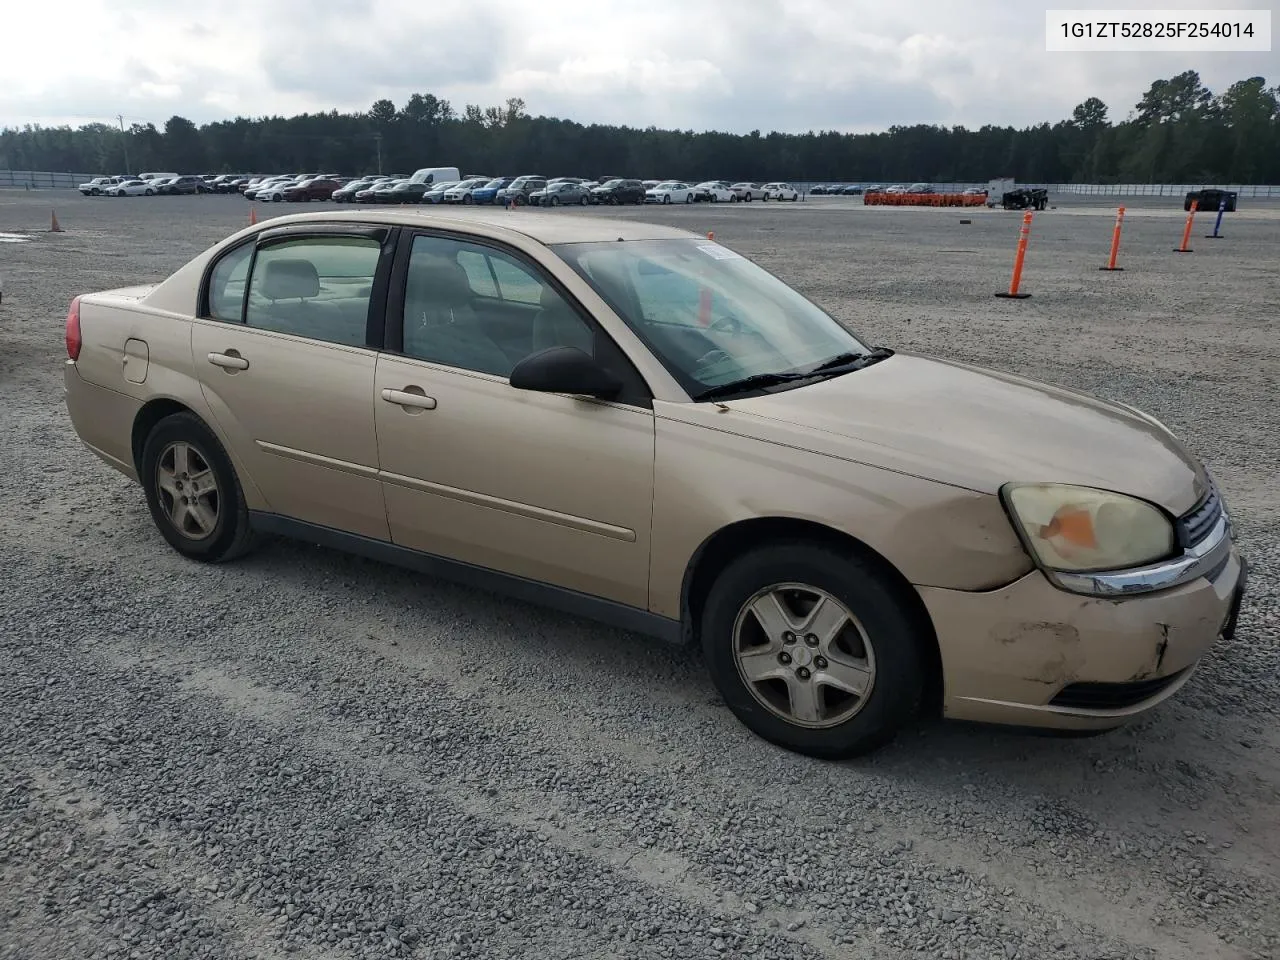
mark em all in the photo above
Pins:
pixel 976 428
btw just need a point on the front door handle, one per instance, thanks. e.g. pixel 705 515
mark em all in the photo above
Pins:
pixel 229 360
pixel 409 397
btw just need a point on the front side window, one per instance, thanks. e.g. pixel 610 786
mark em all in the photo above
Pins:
pixel 317 287
pixel 477 308
pixel 711 316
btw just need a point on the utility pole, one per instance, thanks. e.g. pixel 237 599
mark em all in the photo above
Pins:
pixel 124 137
pixel 378 137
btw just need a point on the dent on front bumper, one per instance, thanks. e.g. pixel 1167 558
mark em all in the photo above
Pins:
pixel 1032 654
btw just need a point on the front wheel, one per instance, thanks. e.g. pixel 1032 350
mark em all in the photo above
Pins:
pixel 149 192
pixel 583 201
pixel 666 198
pixel 193 492
pixel 814 649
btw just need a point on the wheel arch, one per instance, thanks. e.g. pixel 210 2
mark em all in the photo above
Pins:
pixel 736 538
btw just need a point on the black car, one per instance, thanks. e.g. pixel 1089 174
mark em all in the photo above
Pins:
pixel 620 191
pixel 403 193
pixel 1210 198
pixel 1037 198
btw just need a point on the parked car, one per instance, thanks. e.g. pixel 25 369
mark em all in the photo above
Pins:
pixel 98 186
pixel 619 191
pixel 669 191
pixel 715 191
pixel 371 194
pixel 517 192
pixel 920 188
pixel 461 192
pixel 873 188
pixel 405 191
pixel 347 192
pixel 265 184
pixel 182 185
pixel 560 194
pixel 1209 198
pixel 780 191
pixel 274 192
pixel 132 188
pixel 749 191
pixel 489 192
pixel 435 192
pixel 315 189
pixel 849 533
pixel 1035 198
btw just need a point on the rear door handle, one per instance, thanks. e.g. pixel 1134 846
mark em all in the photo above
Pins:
pixel 406 398
pixel 229 360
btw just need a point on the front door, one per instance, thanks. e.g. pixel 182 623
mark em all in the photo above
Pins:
pixel 289 376
pixel 543 486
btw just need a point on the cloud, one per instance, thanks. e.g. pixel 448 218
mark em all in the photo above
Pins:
pixel 790 65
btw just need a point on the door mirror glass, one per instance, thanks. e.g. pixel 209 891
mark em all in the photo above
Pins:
pixel 564 370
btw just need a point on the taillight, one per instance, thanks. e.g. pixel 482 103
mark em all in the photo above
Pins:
pixel 73 330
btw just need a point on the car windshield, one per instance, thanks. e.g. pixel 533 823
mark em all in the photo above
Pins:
pixel 495 184
pixel 711 316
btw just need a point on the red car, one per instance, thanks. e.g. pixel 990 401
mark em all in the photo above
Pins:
pixel 315 189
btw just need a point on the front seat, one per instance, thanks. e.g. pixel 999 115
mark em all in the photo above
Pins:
pixel 440 323
pixel 556 324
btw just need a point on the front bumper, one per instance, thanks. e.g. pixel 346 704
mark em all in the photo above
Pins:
pixel 1031 654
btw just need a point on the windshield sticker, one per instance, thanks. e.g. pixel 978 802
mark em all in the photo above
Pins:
pixel 718 252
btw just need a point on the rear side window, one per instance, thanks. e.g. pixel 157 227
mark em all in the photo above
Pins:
pixel 226 284
pixel 317 287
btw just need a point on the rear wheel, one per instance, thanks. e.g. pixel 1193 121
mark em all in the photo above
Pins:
pixel 193 492
pixel 149 192
pixel 813 649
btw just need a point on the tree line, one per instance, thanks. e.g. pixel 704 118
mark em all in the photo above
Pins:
pixel 1179 132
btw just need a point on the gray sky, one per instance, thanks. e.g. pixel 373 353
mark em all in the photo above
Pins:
pixel 737 65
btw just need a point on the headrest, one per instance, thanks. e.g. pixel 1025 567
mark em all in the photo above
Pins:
pixel 286 279
pixel 439 281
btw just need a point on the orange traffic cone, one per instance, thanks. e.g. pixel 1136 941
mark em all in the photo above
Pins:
pixel 53 223
pixel 711 234
pixel 253 216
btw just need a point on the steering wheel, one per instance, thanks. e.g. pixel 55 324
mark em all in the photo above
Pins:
pixel 710 358
pixel 727 324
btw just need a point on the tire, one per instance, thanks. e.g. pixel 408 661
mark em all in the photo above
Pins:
pixel 883 629
pixel 553 202
pixel 467 199
pixel 583 201
pixel 149 192
pixel 230 534
pixel 747 198
pixel 666 198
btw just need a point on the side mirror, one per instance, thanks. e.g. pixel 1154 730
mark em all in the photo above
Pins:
pixel 564 370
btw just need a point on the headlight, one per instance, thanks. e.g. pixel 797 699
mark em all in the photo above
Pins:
pixel 1075 529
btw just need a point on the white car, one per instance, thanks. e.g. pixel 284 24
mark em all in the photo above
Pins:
pixel 669 191
pixel 132 188
pixel 716 192
pixel 780 191
pixel 98 186
pixel 749 191
pixel 461 192
pixel 272 191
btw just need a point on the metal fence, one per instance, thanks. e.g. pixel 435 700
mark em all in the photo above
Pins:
pixel 42 180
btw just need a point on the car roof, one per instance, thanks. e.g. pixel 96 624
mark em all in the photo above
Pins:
pixel 546 228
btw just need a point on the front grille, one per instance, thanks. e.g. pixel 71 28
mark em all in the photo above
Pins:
pixel 1112 696
pixel 1195 524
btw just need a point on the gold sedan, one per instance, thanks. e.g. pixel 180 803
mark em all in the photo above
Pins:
pixel 639 425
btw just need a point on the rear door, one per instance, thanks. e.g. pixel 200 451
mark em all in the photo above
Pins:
pixel 286 353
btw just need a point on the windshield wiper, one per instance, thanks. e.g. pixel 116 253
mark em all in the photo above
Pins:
pixel 852 361
pixel 845 363
pixel 755 381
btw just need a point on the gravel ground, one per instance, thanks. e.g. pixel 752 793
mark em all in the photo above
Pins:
pixel 309 754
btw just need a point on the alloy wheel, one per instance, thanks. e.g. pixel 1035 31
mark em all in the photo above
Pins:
pixel 188 490
pixel 803 655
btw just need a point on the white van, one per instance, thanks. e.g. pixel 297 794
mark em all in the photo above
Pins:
pixel 436 175
pixel 147 177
